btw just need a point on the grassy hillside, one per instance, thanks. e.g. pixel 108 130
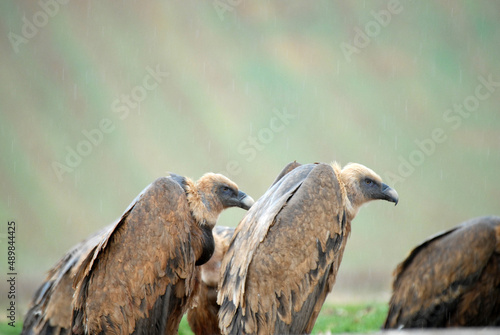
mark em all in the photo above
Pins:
pixel 99 99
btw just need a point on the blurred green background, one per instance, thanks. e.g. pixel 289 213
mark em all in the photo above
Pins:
pixel 99 99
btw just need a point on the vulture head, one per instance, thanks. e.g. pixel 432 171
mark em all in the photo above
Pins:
pixel 211 194
pixel 363 185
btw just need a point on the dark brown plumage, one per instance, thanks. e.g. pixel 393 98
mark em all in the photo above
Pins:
pixel 137 275
pixel 203 317
pixel 50 310
pixel 285 254
pixel 140 277
pixel 450 280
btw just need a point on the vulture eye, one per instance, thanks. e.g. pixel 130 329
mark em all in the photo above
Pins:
pixel 368 181
pixel 226 190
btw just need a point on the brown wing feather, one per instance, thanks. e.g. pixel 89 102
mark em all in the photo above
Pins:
pixel 285 255
pixel 253 229
pixel 203 318
pixel 50 311
pixel 290 166
pixel 431 282
pixel 479 306
pixel 140 277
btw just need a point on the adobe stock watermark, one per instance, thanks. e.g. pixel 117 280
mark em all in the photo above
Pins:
pixel 250 147
pixel 95 136
pixel 453 119
pixel 363 37
pixel 223 6
pixel 31 27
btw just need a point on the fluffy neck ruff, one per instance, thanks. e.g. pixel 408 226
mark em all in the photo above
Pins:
pixel 204 208
pixel 350 211
pixel 350 176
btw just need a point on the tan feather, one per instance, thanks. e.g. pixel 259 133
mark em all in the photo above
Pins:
pixel 285 254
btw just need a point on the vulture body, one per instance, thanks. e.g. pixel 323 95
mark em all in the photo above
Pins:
pixel 50 310
pixel 203 318
pixel 136 276
pixel 450 280
pixel 140 277
pixel 284 256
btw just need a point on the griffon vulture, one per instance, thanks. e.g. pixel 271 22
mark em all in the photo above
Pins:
pixel 450 280
pixel 203 317
pixel 285 254
pixel 50 310
pixel 139 278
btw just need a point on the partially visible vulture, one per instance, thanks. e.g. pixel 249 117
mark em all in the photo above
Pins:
pixel 203 317
pixel 284 256
pixel 139 277
pixel 452 279
pixel 50 310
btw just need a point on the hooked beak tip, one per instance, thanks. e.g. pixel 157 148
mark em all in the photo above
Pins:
pixel 394 198
pixel 391 194
pixel 247 202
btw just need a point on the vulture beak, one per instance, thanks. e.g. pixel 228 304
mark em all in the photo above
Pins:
pixel 244 201
pixel 389 194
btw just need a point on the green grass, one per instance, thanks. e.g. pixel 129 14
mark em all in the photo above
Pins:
pixel 358 318
pixel 5 329
pixel 184 327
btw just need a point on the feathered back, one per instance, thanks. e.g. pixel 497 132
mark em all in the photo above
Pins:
pixel 50 311
pixel 284 255
pixel 451 279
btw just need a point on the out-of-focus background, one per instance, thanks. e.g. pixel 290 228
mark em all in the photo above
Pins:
pixel 99 99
